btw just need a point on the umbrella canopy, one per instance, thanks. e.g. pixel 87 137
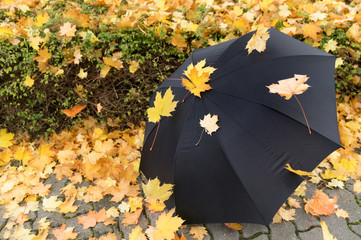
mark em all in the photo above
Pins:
pixel 238 173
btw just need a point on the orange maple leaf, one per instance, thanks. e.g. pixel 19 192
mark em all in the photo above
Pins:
pixel 74 111
pixel 321 204
pixel 63 233
pixel 131 217
pixel 92 218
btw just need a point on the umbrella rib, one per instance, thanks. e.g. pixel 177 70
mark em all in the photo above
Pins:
pixel 245 99
pixel 233 168
pixel 267 60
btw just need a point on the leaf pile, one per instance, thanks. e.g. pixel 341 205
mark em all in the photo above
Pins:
pixel 60 54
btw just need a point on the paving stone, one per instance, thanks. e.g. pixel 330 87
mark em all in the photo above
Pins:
pixel 302 220
pixel 262 237
pixel 312 234
pixel 119 234
pixel 55 218
pixel 338 227
pixel 105 203
pixel 102 229
pixel 250 229
pixel 3 221
pixel 56 185
pixel 346 203
pixel 283 231
pixel 220 232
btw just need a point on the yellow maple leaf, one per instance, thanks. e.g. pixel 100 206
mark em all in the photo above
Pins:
pixel 198 76
pixel 166 226
pixel 134 65
pixel 155 205
pixel 198 232
pixel 326 234
pixel 137 234
pixel 234 226
pixel 357 187
pixel 154 190
pixel 163 106
pixel 82 74
pixel 311 30
pixel 41 19
pixel 29 82
pixel 284 214
pixel 68 205
pixel 178 41
pixel 23 154
pixel 298 172
pixel 258 40
pixel 51 204
pixel 5 138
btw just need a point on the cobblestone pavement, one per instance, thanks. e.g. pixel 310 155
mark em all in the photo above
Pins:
pixel 304 227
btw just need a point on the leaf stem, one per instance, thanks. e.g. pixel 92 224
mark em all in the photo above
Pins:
pixel 156 133
pixel 200 138
pixel 309 130
pixel 184 98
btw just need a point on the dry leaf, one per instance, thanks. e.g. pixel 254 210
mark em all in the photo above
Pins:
pixel 298 172
pixel 326 234
pixel 74 111
pixel 198 232
pixel 321 204
pixel 258 40
pixel 163 106
pixel 209 123
pixel 290 86
pixel 154 190
pixel 198 76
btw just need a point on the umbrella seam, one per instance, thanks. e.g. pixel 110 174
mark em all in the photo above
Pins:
pixel 175 154
pixel 245 99
pixel 233 168
pixel 268 60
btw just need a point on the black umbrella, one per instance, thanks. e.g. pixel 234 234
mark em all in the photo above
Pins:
pixel 238 173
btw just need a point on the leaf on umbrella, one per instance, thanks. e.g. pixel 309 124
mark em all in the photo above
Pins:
pixel 163 106
pixel 298 172
pixel 234 226
pixel 74 111
pixel 198 76
pixel 209 123
pixel 154 190
pixel 166 226
pixel 321 204
pixel 198 232
pixel 326 234
pixel 290 86
pixel 258 40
